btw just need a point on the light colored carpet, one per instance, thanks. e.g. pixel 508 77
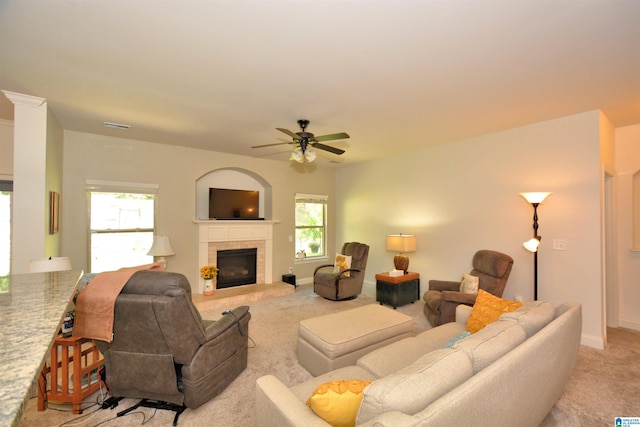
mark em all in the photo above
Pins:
pixel 605 384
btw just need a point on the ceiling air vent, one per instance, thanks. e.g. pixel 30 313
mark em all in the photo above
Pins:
pixel 116 125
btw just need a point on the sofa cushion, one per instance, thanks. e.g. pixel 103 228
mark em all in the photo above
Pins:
pixel 304 389
pixel 455 339
pixel 439 335
pixel 400 354
pixel 491 343
pixel 337 402
pixel 487 309
pixel 532 316
pixel 414 388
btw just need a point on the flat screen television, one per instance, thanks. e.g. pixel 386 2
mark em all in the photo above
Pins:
pixel 233 204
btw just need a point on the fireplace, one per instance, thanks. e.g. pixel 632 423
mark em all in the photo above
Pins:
pixel 236 267
pixel 215 236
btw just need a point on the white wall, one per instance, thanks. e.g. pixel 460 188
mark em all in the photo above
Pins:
pixel 176 169
pixel 6 149
pixel 461 197
pixel 628 268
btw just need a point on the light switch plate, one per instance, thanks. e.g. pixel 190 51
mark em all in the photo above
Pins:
pixel 559 245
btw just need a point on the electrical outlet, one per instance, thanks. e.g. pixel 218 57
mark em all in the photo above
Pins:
pixel 519 298
pixel 290 270
pixel 559 245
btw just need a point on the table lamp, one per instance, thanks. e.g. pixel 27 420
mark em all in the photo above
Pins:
pixel 401 243
pixel 161 248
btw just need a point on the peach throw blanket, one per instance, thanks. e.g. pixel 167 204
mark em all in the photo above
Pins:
pixel 95 304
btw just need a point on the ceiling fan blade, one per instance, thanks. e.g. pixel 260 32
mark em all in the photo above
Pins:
pixel 333 150
pixel 288 132
pixel 269 145
pixel 341 135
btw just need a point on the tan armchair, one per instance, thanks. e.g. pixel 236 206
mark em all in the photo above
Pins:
pixel 492 269
pixel 163 352
pixel 337 285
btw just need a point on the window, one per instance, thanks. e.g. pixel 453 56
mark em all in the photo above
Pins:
pixel 122 225
pixel 311 225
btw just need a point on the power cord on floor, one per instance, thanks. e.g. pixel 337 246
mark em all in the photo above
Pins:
pixel 224 313
pixel 84 418
pixel 119 417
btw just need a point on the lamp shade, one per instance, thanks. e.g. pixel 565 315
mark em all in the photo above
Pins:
pixel 401 243
pixel 297 155
pixel 161 246
pixel 535 197
pixel 532 244
pixel 310 155
pixel 44 265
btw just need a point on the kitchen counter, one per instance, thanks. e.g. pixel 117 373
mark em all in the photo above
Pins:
pixel 32 307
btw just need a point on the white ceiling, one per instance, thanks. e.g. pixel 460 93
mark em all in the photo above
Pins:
pixel 395 75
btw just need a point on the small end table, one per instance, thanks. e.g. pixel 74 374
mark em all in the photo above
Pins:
pixel 70 357
pixel 397 291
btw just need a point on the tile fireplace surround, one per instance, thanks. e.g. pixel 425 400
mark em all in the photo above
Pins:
pixel 222 235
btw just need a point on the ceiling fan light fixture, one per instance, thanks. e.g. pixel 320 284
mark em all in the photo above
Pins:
pixel 306 140
pixel 310 155
pixel 297 155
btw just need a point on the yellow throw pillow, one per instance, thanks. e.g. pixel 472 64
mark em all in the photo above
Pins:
pixel 337 402
pixel 487 309
pixel 342 263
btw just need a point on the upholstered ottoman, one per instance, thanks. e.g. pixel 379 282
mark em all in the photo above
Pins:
pixel 335 340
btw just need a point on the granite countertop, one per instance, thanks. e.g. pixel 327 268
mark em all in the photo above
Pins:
pixel 31 313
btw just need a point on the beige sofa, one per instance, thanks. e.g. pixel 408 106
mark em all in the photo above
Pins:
pixel 511 372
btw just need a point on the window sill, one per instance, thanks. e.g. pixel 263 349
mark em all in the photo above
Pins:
pixel 310 260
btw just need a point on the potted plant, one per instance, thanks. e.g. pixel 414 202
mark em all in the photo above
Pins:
pixel 208 273
pixel 314 246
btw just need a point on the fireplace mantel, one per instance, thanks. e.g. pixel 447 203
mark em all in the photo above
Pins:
pixel 228 231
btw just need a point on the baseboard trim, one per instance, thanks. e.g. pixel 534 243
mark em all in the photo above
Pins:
pixel 629 324
pixel 592 341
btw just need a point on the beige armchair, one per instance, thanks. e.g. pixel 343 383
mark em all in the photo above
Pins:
pixel 346 284
pixel 492 269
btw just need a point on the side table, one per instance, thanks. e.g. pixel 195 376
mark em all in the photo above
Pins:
pixel 73 372
pixel 397 291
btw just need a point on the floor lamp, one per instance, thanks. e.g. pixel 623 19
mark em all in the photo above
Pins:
pixel 532 244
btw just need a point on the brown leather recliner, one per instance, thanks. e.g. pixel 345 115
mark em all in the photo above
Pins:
pixel 337 285
pixel 162 350
pixel 492 269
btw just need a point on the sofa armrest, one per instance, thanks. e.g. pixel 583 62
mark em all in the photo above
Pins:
pixel 462 313
pixel 277 406
pixel 443 285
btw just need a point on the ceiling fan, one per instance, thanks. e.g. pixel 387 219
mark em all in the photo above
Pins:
pixel 307 140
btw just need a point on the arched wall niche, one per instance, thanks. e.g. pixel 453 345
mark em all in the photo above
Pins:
pixel 233 179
